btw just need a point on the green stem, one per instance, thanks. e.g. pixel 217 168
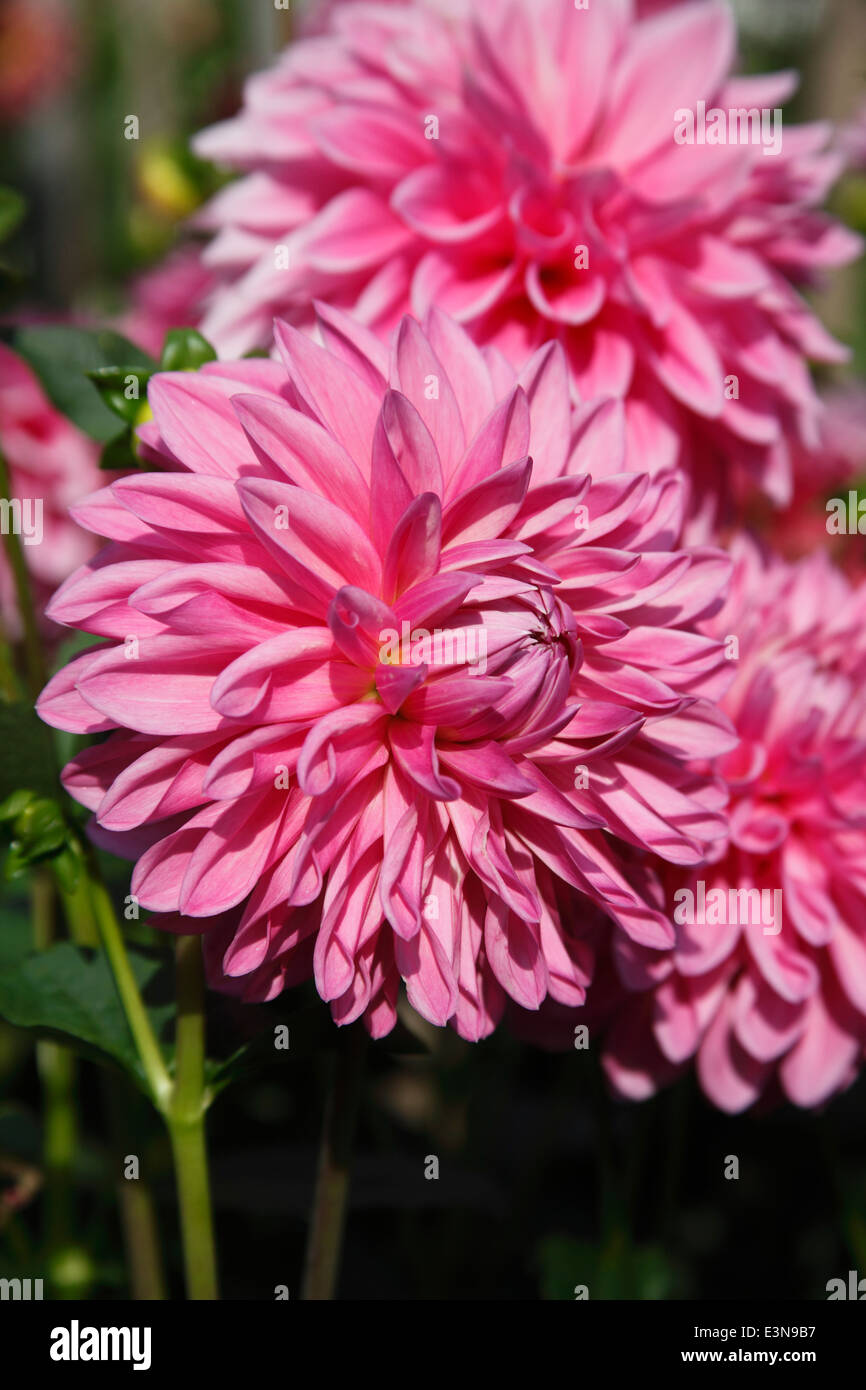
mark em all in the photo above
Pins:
pixel 330 1201
pixel 186 1124
pixel 56 1067
pixel 36 672
pixel 143 1035
pixel 182 1101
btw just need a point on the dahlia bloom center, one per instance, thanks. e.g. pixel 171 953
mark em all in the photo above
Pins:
pixel 495 668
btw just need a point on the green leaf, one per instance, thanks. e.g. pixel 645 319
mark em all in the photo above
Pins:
pixel 184 350
pixel 12 210
pixel 62 356
pixel 69 995
pixel 27 761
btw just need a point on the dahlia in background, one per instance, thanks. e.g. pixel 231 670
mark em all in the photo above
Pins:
pixel 51 465
pixel 519 168
pixel 775 1006
pixel 400 658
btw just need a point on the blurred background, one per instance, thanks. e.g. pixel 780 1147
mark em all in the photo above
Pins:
pixel 544 1182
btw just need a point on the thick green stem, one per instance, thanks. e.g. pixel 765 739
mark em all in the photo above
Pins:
pixel 186 1124
pixel 189 1149
pixel 330 1202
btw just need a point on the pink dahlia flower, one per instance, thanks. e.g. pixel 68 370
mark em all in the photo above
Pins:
pixel 766 984
pixel 519 166
pixel 398 655
pixel 51 464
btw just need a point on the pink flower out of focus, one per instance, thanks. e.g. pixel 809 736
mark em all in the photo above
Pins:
pixel 51 464
pixel 318 799
pixel 515 164
pixel 776 1006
